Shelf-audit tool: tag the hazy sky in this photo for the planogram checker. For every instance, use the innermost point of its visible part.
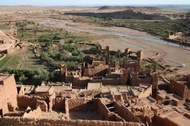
(90, 2)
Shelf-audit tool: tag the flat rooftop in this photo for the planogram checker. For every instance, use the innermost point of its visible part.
(94, 86)
(42, 88)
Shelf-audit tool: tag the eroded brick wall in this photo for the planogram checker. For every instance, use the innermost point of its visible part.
(25, 101)
(47, 122)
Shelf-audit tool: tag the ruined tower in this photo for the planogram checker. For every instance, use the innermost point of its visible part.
(125, 58)
(107, 55)
(63, 72)
(139, 55)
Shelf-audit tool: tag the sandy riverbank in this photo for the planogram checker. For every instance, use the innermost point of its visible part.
(170, 55)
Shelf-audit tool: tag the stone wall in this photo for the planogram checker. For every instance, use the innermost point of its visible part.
(48, 122)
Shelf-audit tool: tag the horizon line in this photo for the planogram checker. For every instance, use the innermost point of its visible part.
(90, 5)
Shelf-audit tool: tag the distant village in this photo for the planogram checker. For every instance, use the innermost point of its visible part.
(97, 93)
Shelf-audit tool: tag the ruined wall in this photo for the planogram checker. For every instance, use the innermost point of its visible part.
(125, 113)
(106, 114)
(42, 104)
(137, 79)
(48, 122)
(145, 93)
(58, 104)
(136, 66)
(25, 101)
(33, 113)
(177, 88)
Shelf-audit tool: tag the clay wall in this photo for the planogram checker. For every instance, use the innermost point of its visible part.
(164, 121)
(137, 79)
(106, 114)
(76, 104)
(108, 81)
(58, 104)
(187, 115)
(145, 93)
(119, 99)
(10, 90)
(69, 78)
(178, 103)
(80, 83)
(25, 101)
(48, 122)
(96, 70)
(177, 88)
(45, 94)
(102, 109)
(33, 113)
(186, 93)
(112, 81)
(123, 80)
(125, 113)
(134, 65)
(8, 93)
(3, 102)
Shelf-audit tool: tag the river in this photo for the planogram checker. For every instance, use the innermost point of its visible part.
(146, 38)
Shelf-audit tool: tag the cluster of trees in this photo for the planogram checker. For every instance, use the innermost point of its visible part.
(29, 76)
(49, 38)
(155, 27)
(152, 66)
(67, 54)
(116, 57)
